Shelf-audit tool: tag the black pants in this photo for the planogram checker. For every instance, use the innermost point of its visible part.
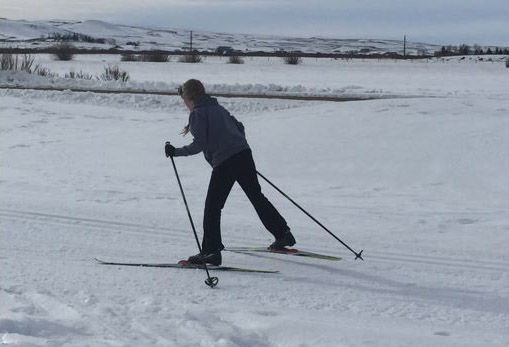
(239, 168)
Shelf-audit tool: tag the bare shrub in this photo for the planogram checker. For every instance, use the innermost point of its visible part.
(129, 57)
(45, 72)
(8, 62)
(190, 58)
(113, 73)
(64, 51)
(235, 59)
(292, 59)
(27, 63)
(78, 75)
(155, 57)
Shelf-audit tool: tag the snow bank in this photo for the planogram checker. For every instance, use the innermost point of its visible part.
(25, 80)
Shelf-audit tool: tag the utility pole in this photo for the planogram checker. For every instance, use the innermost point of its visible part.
(404, 46)
(191, 42)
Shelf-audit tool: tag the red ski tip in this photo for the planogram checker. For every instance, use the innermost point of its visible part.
(285, 249)
(183, 262)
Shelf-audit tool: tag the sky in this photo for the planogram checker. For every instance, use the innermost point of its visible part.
(485, 22)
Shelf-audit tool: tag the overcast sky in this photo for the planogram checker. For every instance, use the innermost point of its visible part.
(443, 22)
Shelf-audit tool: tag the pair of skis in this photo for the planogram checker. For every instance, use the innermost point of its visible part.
(183, 264)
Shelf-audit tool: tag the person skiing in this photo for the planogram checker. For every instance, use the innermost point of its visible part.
(221, 138)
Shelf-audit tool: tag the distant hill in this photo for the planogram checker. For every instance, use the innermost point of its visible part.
(103, 35)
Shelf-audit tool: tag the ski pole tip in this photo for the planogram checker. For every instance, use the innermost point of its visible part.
(212, 281)
(359, 255)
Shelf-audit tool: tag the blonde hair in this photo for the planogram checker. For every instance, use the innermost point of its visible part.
(185, 131)
(193, 90)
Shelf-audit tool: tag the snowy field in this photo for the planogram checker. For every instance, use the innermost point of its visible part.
(451, 76)
(419, 183)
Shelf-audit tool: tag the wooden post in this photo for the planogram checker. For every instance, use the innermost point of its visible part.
(404, 46)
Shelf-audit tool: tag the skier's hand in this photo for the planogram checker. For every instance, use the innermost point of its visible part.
(169, 150)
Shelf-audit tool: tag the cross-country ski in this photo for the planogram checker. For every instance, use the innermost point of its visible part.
(287, 251)
(183, 264)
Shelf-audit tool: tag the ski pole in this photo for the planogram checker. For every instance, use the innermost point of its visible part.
(210, 281)
(357, 255)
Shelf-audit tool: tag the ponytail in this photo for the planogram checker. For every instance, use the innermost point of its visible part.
(185, 131)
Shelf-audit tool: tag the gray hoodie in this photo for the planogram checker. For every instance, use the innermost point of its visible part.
(216, 132)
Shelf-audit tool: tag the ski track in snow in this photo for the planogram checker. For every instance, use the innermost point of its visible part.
(108, 226)
(419, 185)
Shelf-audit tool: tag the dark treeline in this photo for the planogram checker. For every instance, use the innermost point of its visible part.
(280, 54)
(450, 50)
(464, 49)
(76, 37)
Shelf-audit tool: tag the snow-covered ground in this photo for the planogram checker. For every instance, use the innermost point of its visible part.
(419, 184)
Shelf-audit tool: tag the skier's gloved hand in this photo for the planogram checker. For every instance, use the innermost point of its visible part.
(169, 150)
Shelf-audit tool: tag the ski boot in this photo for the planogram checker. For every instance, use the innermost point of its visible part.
(213, 258)
(286, 240)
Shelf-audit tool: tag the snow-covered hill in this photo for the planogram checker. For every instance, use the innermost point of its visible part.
(34, 34)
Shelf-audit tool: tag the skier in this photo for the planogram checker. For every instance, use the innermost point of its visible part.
(222, 139)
